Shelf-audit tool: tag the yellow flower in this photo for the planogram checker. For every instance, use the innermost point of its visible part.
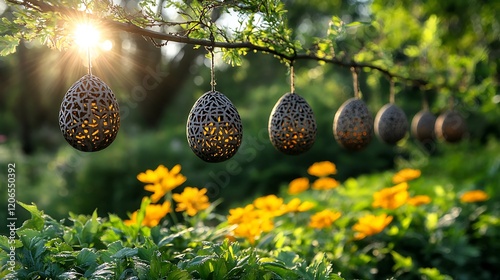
(298, 185)
(240, 215)
(324, 219)
(325, 183)
(474, 196)
(153, 177)
(253, 229)
(370, 225)
(322, 169)
(191, 200)
(295, 205)
(271, 204)
(405, 175)
(419, 200)
(154, 213)
(161, 180)
(391, 198)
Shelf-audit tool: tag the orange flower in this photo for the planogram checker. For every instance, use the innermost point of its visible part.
(240, 215)
(153, 177)
(253, 229)
(419, 200)
(391, 198)
(154, 213)
(322, 169)
(298, 185)
(295, 205)
(474, 196)
(324, 219)
(161, 180)
(271, 204)
(251, 222)
(405, 175)
(325, 183)
(370, 225)
(191, 200)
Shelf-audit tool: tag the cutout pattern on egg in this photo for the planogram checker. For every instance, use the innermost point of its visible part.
(214, 129)
(292, 126)
(353, 125)
(89, 117)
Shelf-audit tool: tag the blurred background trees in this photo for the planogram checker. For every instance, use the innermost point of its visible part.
(452, 44)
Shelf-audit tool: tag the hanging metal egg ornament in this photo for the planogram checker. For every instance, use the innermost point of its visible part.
(89, 117)
(422, 126)
(391, 124)
(214, 129)
(450, 126)
(353, 125)
(292, 126)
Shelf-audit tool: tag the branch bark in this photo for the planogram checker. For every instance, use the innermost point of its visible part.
(131, 28)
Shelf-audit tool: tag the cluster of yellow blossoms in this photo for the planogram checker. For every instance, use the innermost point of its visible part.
(389, 198)
(161, 182)
(397, 196)
(321, 170)
(255, 219)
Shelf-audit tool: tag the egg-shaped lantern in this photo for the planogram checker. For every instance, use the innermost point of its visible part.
(353, 125)
(450, 126)
(214, 130)
(89, 117)
(292, 126)
(391, 124)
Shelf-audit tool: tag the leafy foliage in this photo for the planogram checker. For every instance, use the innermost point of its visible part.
(97, 248)
(442, 238)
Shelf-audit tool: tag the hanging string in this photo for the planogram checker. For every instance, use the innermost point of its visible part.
(391, 91)
(451, 102)
(355, 83)
(292, 78)
(212, 62)
(212, 70)
(425, 102)
(89, 60)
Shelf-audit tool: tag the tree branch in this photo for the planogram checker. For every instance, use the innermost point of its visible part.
(131, 28)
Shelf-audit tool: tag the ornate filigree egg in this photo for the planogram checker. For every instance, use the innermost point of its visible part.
(353, 125)
(292, 126)
(89, 117)
(422, 126)
(450, 126)
(214, 129)
(391, 124)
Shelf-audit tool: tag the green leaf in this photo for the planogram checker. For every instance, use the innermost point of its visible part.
(412, 51)
(8, 44)
(125, 253)
(280, 270)
(86, 257)
(401, 262)
(36, 221)
(433, 274)
(90, 229)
